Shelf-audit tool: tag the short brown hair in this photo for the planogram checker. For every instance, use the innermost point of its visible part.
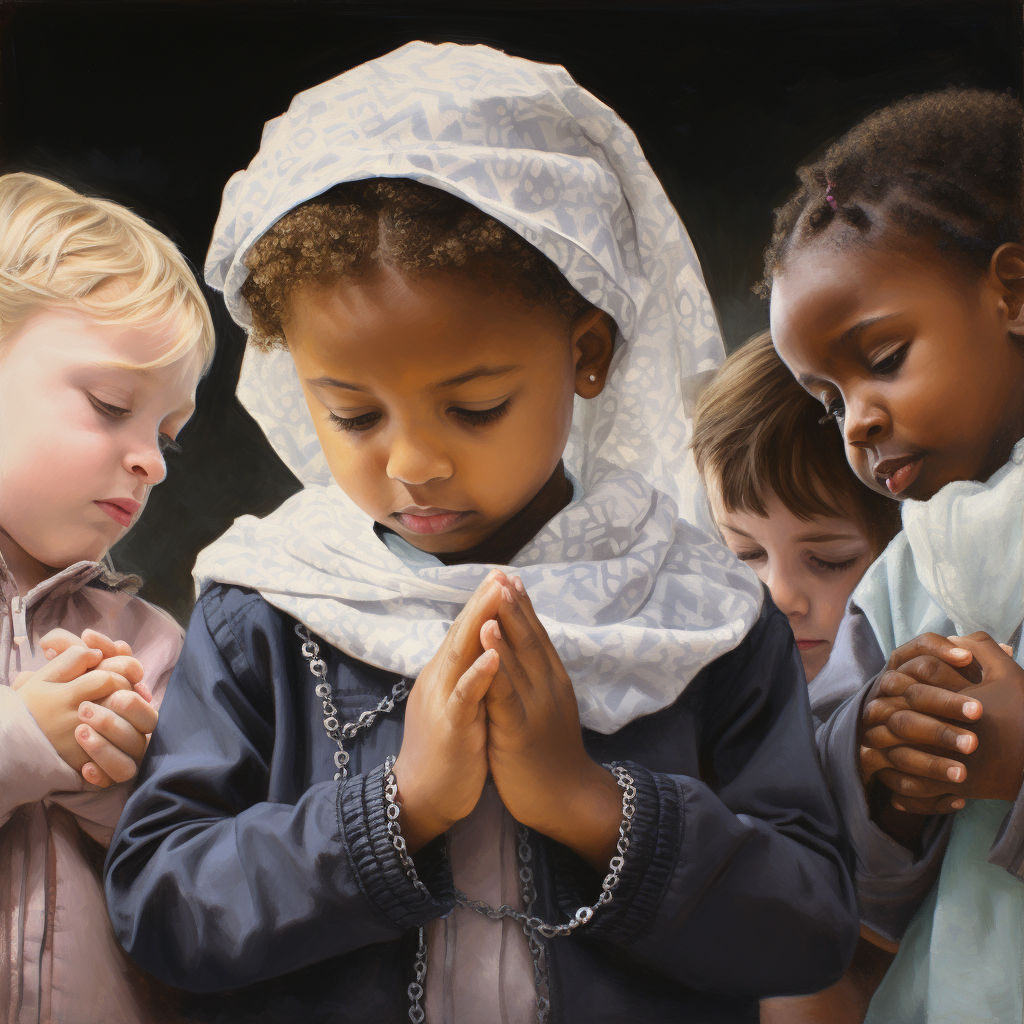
(395, 222)
(758, 433)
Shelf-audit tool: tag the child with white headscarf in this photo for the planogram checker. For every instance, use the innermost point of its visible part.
(475, 726)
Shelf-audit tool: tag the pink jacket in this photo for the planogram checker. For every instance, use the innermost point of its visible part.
(59, 960)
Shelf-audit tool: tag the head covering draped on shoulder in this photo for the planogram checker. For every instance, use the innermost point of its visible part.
(636, 601)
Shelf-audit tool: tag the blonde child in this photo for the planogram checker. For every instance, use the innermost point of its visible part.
(897, 289)
(458, 271)
(103, 335)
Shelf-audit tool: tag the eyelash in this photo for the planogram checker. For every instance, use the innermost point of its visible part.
(833, 566)
(821, 563)
(166, 443)
(473, 417)
(891, 363)
(835, 409)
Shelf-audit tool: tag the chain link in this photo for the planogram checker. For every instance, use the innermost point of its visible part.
(338, 732)
(532, 925)
(582, 916)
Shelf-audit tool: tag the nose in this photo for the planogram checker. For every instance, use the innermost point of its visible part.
(789, 596)
(414, 458)
(145, 461)
(866, 421)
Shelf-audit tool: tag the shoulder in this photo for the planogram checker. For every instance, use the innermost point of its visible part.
(124, 616)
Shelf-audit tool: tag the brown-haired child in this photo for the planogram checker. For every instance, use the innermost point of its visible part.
(788, 504)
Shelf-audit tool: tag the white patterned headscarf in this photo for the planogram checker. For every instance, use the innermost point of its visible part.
(635, 600)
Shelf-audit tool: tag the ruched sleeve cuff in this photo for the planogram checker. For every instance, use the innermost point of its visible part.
(654, 844)
(382, 876)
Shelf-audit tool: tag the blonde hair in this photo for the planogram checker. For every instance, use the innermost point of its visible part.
(62, 249)
(757, 433)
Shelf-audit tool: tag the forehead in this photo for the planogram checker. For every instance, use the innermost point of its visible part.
(391, 320)
(834, 284)
(62, 340)
(782, 526)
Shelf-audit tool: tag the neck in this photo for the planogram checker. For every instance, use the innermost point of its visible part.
(27, 571)
(503, 545)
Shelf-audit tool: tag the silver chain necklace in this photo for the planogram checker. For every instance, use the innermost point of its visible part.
(532, 926)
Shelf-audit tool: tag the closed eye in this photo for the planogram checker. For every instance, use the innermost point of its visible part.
(480, 417)
(891, 363)
(354, 423)
(115, 412)
(822, 563)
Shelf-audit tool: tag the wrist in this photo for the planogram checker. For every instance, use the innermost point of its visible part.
(587, 816)
(417, 821)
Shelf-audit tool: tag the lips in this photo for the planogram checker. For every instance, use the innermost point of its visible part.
(121, 510)
(898, 474)
(417, 519)
(807, 645)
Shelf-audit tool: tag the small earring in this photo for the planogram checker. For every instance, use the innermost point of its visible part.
(593, 379)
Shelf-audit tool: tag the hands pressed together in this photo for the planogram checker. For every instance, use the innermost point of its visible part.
(496, 699)
(91, 704)
(944, 723)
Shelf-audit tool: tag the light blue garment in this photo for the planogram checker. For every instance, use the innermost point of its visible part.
(958, 567)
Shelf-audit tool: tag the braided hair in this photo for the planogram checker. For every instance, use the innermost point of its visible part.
(944, 167)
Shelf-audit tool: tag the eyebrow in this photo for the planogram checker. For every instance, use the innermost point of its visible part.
(806, 538)
(848, 336)
(451, 382)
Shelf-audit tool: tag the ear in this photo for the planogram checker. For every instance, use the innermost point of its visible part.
(593, 338)
(1006, 272)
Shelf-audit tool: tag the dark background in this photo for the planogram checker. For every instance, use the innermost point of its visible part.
(156, 104)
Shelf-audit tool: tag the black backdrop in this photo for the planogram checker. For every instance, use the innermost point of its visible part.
(156, 104)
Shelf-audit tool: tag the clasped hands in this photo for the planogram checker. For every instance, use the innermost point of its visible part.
(496, 699)
(91, 704)
(944, 723)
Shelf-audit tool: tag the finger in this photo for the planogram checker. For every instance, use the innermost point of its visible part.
(922, 764)
(930, 700)
(124, 665)
(524, 639)
(935, 805)
(934, 672)
(908, 726)
(114, 728)
(1008, 649)
(950, 651)
(71, 664)
(504, 698)
(132, 707)
(96, 685)
(117, 648)
(57, 641)
(462, 644)
(94, 774)
(105, 756)
(905, 785)
(463, 706)
(871, 762)
(144, 692)
(985, 650)
(527, 605)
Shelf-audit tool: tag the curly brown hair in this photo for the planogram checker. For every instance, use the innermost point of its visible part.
(945, 166)
(398, 223)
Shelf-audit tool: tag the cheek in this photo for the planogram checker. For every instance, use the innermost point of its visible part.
(832, 597)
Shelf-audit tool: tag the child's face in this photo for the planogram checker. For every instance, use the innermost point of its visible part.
(442, 408)
(809, 567)
(914, 356)
(81, 438)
